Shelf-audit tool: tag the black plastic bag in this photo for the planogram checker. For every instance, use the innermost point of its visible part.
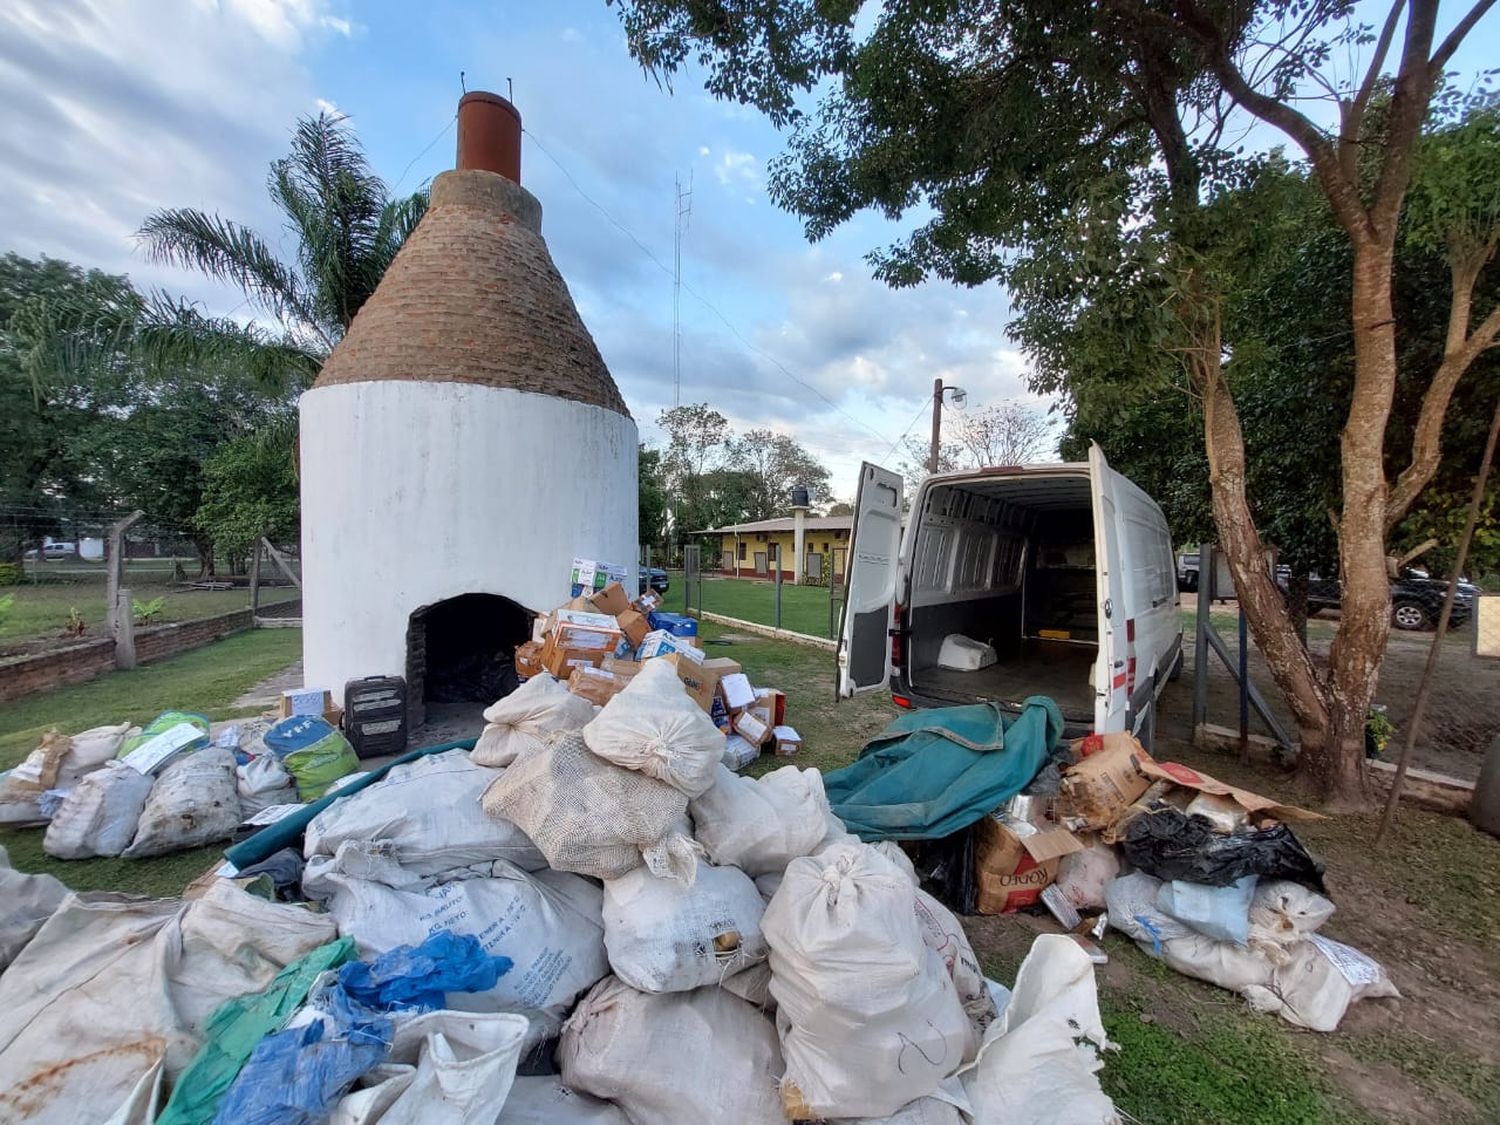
(1170, 845)
(945, 868)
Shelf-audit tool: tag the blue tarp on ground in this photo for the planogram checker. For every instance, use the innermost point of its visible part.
(934, 772)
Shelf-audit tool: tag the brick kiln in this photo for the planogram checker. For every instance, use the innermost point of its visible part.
(463, 443)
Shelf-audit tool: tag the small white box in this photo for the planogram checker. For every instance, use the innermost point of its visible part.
(788, 741)
(738, 694)
(751, 727)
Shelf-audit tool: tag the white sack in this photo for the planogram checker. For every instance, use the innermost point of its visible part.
(673, 1057)
(590, 816)
(868, 1015)
(99, 816)
(90, 750)
(195, 801)
(1130, 901)
(21, 788)
(1224, 813)
(548, 923)
(1282, 915)
(964, 654)
(654, 726)
(761, 825)
(664, 937)
(373, 1093)
(26, 902)
(769, 884)
(1040, 1059)
(464, 1063)
(543, 1100)
(429, 812)
(114, 984)
(521, 721)
(897, 855)
(752, 985)
(1082, 876)
(923, 1111)
(262, 782)
(1219, 962)
(945, 936)
(1319, 981)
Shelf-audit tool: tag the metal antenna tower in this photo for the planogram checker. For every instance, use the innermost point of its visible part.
(684, 212)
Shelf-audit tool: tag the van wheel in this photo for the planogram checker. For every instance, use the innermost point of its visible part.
(1409, 615)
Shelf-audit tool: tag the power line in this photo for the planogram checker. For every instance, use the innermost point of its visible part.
(921, 410)
(701, 299)
(446, 126)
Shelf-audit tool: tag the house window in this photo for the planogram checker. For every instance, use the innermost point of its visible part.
(743, 547)
(825, 547)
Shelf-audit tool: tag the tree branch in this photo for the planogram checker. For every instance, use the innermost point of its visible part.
(1427, 439)
(1458, 34)
(1409, 105)
(1353, 114)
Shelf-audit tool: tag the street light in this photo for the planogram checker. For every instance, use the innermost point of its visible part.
(960, 396)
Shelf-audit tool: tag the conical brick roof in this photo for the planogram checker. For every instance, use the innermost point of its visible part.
(474, 297)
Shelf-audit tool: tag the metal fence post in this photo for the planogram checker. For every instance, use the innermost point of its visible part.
(777, 616)
(1200, 634)
(116, 597)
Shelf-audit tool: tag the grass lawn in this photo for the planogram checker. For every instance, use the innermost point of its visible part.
(205, 680)
(804, 609)
(40, 611)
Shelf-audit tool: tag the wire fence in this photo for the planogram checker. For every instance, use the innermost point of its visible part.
(53, 586)
(812, 608)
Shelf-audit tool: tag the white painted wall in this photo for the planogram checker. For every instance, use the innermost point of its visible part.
(416, 492)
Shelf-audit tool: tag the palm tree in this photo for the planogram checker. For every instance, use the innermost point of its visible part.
(346, 223)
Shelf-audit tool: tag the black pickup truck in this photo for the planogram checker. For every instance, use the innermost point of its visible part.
(1416, 598)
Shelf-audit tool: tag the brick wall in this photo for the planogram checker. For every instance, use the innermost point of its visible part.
(24, 675)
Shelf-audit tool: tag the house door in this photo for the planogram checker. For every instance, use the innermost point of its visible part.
(760, 563)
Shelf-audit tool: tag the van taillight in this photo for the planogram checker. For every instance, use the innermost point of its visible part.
(896, 638)
(901, 701)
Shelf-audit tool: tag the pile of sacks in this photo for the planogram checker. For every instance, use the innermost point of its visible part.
(1205, 876)
(682, 943)
(169, 786)
(595, 644)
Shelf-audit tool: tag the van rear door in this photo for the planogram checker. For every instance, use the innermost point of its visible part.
(1112, 695)
(864, 649)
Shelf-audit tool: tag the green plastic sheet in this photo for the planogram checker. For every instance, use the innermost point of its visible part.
(934, 772)
(234, 1030)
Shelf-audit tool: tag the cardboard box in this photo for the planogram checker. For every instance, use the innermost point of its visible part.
(591, 575)
(305, 701)
(739, 752)
(678, 624)
(561, 659)
(648, 601)
(1098, 788)
(661, 643)
(750, 727)
(1014, 861)
(634, 625)
(1257, 806)
(720, 714)
(612, 600)
(334, 717)
(701, 677)
(738, 694)
(786, 741)
(620, 666)
(528, 660)
(595, 684)
(774, 701)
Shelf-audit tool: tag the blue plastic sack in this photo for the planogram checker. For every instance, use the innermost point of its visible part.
(677, 624)
(296, 1077)
(1222, 913)
(418, 976)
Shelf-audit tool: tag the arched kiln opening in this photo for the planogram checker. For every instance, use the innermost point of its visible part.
(461, 650)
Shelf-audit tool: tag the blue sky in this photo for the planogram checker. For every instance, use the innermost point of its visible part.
(111, 108)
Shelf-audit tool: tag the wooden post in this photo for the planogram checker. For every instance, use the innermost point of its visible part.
(255, 579)
(116, 597)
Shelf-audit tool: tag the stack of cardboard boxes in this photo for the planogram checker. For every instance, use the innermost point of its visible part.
(595, 643)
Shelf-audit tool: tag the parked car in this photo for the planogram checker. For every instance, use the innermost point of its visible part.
(654, 578)
(1416, 598)
(55, 551)
(1187, 573)
(1065, 571)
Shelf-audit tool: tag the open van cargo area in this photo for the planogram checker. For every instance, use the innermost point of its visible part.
(1008, 560)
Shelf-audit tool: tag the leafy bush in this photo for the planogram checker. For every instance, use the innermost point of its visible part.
(10, 574)
(147, 612)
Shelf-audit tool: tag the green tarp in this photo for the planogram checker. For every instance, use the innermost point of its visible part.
(934, 772)
(237, 1027)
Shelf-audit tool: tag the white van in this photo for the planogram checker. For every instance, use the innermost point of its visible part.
(1066, 570)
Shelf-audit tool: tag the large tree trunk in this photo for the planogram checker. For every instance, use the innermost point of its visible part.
(1261, 600)
(1364, 589)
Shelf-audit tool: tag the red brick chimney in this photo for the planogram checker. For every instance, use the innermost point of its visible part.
(489, 135)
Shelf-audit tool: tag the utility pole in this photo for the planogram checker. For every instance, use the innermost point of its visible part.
(684, 211)
(937, 426)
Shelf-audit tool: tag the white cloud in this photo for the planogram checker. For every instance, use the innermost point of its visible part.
(109, 111)
(571, 35)
(737, 167)
(326, 106)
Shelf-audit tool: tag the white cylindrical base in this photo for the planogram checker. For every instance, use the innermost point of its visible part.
(415, 492)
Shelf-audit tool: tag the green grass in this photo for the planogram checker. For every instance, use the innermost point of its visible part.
(40, 611)
(804, 609)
